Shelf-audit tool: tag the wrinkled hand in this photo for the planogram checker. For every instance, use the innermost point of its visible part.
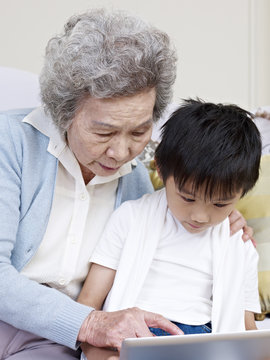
(109, 329)
(238, 222)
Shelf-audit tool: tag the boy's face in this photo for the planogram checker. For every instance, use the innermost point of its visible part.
(194, 212)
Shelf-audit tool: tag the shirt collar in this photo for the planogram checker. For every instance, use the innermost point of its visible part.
(44, 123)
(124, 169)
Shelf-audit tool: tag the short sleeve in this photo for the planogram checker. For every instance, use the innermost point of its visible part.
(252, 302)
(109, 248)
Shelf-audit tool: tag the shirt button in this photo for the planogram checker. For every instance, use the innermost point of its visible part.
(72, 239)
(62, 281)
(83, 196)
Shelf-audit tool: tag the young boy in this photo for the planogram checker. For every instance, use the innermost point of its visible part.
(171, 252)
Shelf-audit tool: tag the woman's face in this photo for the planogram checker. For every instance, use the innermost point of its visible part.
(107, 133)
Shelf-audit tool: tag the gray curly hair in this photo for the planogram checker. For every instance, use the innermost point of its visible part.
(105, 55)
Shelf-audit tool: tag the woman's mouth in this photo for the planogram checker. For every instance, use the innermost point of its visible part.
(107, 168)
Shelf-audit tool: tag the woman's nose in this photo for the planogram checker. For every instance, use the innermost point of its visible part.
(119, 150)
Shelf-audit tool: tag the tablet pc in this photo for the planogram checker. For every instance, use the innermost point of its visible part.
(248, 345)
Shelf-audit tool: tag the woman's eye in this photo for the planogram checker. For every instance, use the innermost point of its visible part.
(105, 134)
(137, 133)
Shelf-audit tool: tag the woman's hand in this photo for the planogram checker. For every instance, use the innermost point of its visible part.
(238, 222)
(109, 329)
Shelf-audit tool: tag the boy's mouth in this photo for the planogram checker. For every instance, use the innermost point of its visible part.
(195, 226)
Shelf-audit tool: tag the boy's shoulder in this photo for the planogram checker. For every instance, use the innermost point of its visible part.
(154, 199)
(221, 231)
(146, 205)
(235, 241)
(222, 227)
(138, 212)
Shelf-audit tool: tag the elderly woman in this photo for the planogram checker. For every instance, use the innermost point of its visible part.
(64, 168)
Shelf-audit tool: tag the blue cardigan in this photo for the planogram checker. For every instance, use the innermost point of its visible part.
(27, 180)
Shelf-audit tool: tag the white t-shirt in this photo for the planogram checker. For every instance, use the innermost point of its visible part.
(179, 282)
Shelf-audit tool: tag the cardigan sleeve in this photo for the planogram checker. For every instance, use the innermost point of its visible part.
(26, 304)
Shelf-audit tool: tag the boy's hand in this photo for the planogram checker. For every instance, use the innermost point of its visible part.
(109, 329)
(238, 222)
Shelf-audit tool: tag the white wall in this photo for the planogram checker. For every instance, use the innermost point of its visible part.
(260, 45)
(223, 45)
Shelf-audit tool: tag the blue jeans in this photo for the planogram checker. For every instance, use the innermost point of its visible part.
(187, 329)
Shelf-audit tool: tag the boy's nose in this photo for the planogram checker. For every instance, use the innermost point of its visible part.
(200, 217)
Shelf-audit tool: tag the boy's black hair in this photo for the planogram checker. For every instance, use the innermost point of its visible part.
(213, 145)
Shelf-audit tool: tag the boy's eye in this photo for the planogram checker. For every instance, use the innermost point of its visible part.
(187, 199)
(220, 205)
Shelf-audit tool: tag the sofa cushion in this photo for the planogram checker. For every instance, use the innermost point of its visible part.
(255, 207)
